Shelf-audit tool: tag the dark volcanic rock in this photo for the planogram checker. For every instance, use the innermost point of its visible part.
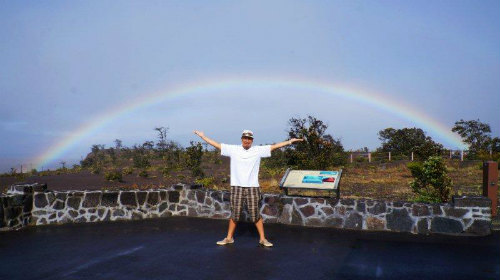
(354, 221)
(173, 196)
(399, 220)
(471, 201)
(378, 208)
(423, 226)
(141, 197)
(92, 199)
(109, 199)
(445, 225)
(420, 210)
(40, 200)
(128, 198)
(73, 202)
(153, 198)
(307, 210)
(455, 212)
(480, 227)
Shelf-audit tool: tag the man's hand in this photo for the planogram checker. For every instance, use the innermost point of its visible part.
(296, 140)
(199, 133)
(206, 139)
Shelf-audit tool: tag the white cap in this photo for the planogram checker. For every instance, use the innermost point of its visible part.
(247, 133)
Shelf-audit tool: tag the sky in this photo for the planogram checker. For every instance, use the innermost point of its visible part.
(78, 73)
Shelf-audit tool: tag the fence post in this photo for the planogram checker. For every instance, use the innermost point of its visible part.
(389, 156)
(369, 157)
(351, 157)
(450, 153)
(490, 188)
(462, 155)
(411, 156)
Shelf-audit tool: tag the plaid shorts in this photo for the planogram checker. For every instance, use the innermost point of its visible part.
(250, 196)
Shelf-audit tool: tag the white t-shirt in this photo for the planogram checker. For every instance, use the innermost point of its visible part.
(245, 163)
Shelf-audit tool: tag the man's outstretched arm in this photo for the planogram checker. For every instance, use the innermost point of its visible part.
(286, 143)
(206, 139)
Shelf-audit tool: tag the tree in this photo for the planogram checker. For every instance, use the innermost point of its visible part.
(408, 140)
(194, 156)
(475, 133)
(162, 139)
(318, 151)
(431, 182)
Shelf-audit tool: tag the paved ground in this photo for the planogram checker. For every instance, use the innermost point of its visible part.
(184, 248)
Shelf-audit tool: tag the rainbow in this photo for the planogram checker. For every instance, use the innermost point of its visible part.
(371, 98)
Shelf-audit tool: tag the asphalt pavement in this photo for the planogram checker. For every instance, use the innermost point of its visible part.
(184, 248)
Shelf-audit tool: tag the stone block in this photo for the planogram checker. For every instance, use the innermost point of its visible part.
(73, 202)
(141, 197)
(92, 199)
(420, 210)
(153, 198)
(285, 217)
(61, 196)
(471, 201)
(300, 201)
(173, 196)
(128, 198)
(118, 213)
(286, 200)
(270, 210)
(455, 212)
(51, 197)
(317, 200)
(378, 208)
(361, 206)
(327, 210)
(373, 223)
(423, 226)
(271, 199)
(2, 219)
(445, 225)
(217, 196)
(347, 201)
(335, 222)
(27, 204)
(109, 199)
(163, 195)
(397, 204)
(399, 220)
(314, 222)
(340, 210)
(307, 210)
(58, 205)
(40, 200)
(12, 213)
(296, 217)
(200, 196)
(480, 227)
(354, 221)
(436, 209)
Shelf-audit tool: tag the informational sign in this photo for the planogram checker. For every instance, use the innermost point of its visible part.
(311, 179)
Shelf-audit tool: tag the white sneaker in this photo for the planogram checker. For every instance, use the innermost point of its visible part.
(225, 241)
(265, 243)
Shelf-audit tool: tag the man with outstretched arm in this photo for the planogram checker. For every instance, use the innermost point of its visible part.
(245, 163)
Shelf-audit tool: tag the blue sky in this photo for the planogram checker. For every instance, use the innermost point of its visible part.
(65, 63)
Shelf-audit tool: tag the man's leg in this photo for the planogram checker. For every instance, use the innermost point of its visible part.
(231, 228)
(260, 228)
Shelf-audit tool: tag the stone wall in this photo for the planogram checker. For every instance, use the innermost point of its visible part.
(464, 215)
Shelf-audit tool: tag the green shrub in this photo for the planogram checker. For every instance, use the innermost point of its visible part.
(143, 174)
(194, 156)
(127, 170)
(207, 181)
(431, 182)
(113, 176)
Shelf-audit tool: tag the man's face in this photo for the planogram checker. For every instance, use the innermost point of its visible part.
(246, 142)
